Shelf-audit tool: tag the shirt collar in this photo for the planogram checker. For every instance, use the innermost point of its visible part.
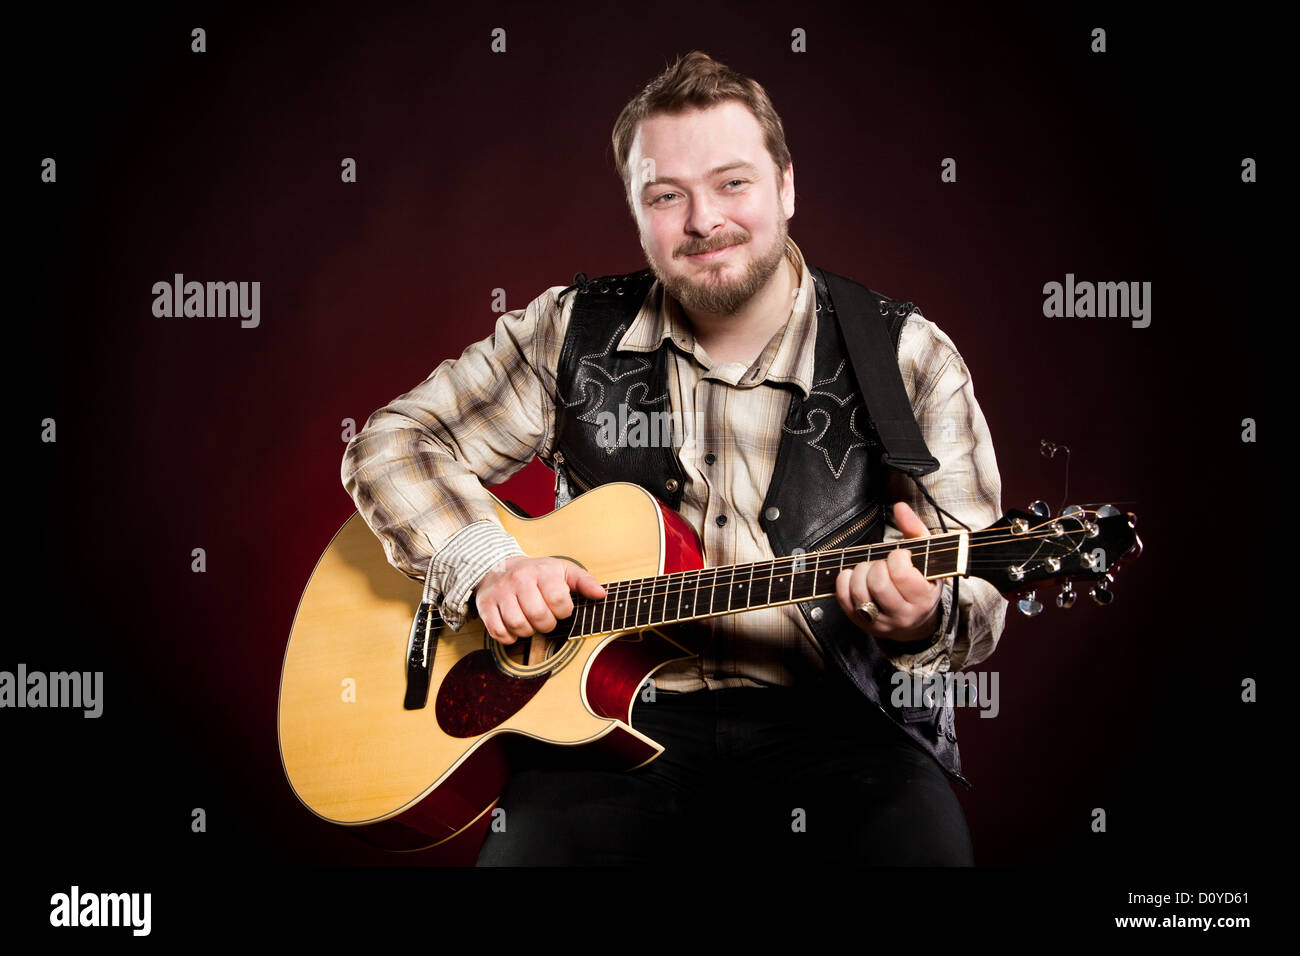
(788, 357)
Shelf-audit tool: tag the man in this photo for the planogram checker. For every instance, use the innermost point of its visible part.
(781, 732)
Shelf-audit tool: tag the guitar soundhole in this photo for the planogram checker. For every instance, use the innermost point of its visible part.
(532, 650)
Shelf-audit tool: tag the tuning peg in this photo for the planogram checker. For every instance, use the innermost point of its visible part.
(1101, 592)
(1028, 605)
(1067, 596)
(1041, 509)
(1107, 511)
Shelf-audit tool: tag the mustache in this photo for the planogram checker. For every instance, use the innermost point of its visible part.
(696, 249)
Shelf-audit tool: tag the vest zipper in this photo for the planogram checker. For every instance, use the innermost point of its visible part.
(872, 514)
(563, 475)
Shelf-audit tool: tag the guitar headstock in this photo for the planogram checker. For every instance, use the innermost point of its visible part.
(1027, 548)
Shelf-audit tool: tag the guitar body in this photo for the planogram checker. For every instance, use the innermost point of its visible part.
(410, 777)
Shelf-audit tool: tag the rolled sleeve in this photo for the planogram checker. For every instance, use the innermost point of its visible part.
(456, 570)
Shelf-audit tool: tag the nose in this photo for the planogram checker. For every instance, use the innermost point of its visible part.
(704, 217)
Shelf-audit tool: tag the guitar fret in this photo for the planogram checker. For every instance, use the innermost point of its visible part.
(725, 593)
(657, 606)
(641, 609)
(946, 559)
(699, 597)
(634, 601)
(607, 614)
(648, 602)
(718, 599)
(827, 575)
(744, 589)
(629, 603)
(803, 581)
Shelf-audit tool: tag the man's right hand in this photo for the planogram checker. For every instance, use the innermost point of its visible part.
(522, 596)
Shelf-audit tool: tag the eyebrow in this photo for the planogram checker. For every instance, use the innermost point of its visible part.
(738, 164)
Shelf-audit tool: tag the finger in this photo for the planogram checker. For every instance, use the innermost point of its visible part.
(842, 591)
(556, 594)
(492, 623)
(906, 521)
(883, 591)
(908, 579)
(534, 607)
(859, 592)
(581, 580)
(512, 616)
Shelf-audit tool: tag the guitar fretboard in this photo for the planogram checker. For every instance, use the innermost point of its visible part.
(707, 592)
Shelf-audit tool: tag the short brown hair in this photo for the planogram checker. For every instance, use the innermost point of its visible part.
(697, 80)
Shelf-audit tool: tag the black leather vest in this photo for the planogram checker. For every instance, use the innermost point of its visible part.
(826, 485)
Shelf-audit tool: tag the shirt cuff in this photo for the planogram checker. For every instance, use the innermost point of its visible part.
(919, 658)
(458, 567)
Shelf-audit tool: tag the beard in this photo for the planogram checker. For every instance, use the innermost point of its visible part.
(712, 294)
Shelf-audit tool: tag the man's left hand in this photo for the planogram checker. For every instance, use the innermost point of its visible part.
(908, 603)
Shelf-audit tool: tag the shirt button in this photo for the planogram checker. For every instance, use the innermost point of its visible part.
(771, 514)
(815, 614)
(671, 484)
(710, 458)
(722, 519)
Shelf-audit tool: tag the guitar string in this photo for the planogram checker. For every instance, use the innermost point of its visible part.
(626, 587)
(624, 590)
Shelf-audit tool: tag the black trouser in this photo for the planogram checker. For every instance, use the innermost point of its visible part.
(756, 774)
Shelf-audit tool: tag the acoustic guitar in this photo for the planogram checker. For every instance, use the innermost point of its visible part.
(394, 725)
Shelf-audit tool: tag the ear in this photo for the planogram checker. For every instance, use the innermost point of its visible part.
(787, 190)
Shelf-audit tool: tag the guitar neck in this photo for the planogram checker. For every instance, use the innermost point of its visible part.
(729, 589)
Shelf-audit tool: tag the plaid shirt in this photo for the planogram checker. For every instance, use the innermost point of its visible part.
(417, 468)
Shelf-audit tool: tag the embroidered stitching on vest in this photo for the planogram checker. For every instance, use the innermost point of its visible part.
(831, 408)
(582, 378)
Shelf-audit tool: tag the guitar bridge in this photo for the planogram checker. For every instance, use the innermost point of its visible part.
(420, 652)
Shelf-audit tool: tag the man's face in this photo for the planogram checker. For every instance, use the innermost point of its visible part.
(709, 205)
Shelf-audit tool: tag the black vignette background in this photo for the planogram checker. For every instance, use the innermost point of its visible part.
(480, 171)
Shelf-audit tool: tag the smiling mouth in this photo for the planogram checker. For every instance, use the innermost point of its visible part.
(711, 254)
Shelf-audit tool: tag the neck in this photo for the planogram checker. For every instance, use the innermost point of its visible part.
(708, 592)
(742, 336)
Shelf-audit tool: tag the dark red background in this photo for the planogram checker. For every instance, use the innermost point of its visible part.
(479, 171)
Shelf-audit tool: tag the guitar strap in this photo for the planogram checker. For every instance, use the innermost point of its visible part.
(875, 366)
